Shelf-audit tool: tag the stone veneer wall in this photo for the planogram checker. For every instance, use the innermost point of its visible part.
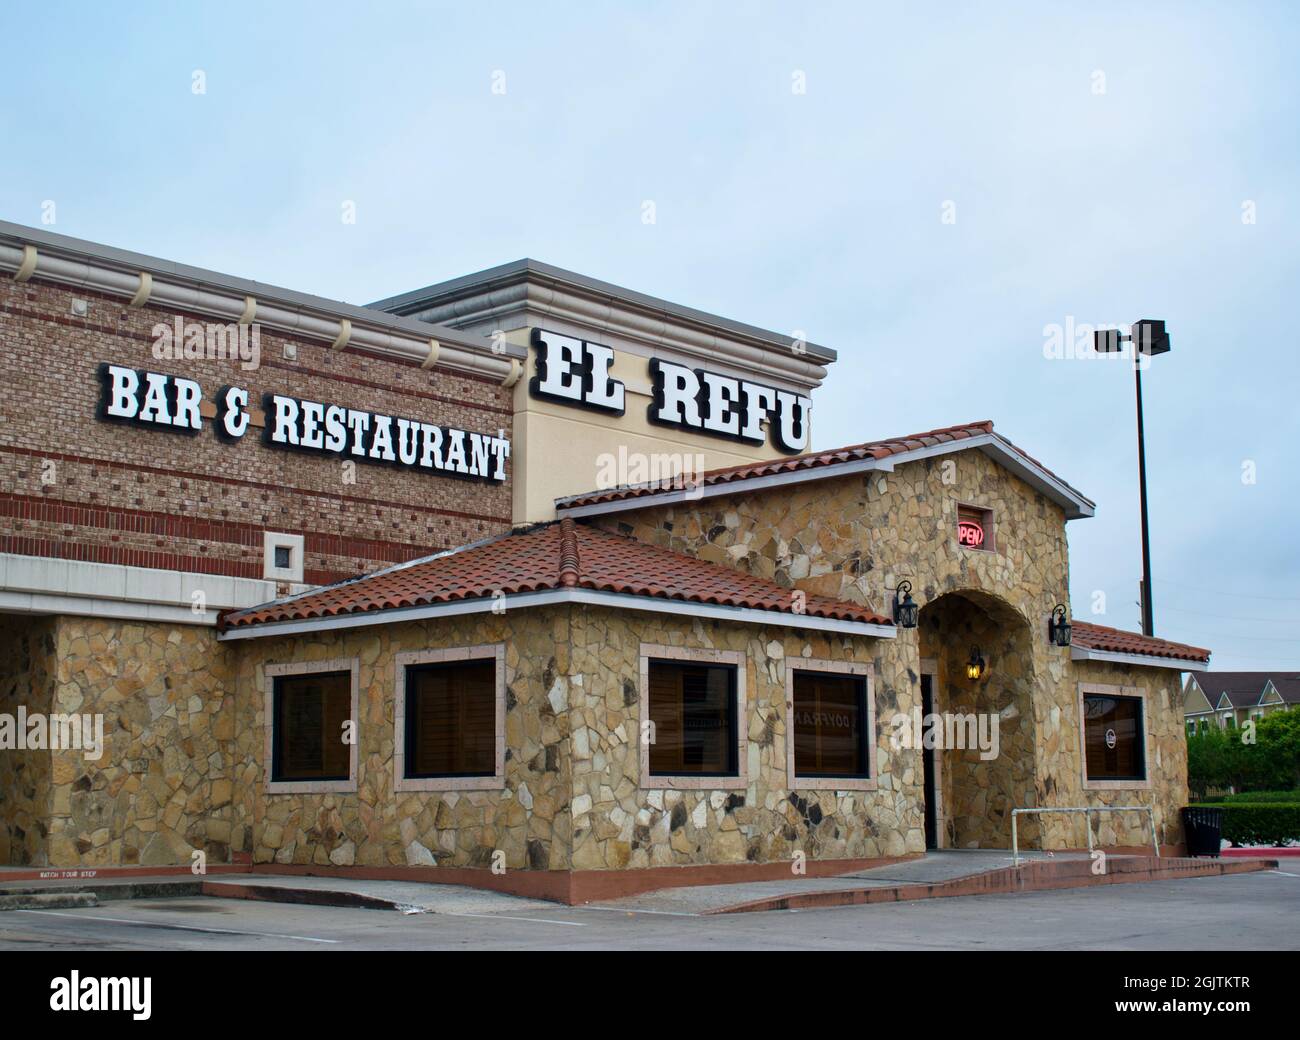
(624, 819)
(27, 656)
(573, 796)
(163, 786)
(977, 795)
(527, 819)
(857, 536)
(1059, 756)
(185, 715)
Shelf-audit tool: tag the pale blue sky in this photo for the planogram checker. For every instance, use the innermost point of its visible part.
(817, 211)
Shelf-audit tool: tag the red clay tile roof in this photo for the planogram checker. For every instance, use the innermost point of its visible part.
(1117, 641)
(558, 555)
(854, 453)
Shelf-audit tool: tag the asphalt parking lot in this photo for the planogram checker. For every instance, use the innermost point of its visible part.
(1235, 912)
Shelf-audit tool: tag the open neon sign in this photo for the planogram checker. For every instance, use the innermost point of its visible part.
(970, 533)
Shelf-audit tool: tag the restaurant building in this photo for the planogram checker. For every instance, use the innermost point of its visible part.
(523, 580)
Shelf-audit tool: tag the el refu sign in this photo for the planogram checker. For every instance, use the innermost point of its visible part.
(576, 371)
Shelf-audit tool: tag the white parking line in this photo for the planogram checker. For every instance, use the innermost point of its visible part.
(1283, 873)
(177, 927)
(620, 910)
(504, 917)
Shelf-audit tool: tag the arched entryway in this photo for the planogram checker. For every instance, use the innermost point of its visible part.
(983, 767)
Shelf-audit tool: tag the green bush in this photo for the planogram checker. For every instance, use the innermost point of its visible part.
(1218, 759)
(1280, 797)
(1259, 823)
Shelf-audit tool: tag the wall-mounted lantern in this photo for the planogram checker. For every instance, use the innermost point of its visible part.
(1058, 628)
(976, 669)
(906, 609)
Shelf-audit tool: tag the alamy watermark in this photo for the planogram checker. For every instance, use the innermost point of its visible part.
(36, 731)
(208, 341)
(1073, 341)
(946, 731)
(72, 992)
(663, 471)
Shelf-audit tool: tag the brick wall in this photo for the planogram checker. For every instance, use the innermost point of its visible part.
(75, 487)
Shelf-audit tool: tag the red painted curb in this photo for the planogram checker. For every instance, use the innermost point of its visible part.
(102, 873)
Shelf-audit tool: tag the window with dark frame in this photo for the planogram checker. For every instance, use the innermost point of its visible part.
(1113, 737)
(693, 709)
(307, 730)
(830, 723)
(451, 719)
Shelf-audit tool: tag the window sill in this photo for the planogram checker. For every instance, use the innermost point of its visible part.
(1117, 785)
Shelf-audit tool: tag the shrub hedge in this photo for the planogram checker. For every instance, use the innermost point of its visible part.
(1274, 797)
(1259, 823)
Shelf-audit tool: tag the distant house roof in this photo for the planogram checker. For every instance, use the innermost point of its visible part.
(550, 563)
(881, 455)
(1244, 689)
(1088, 636)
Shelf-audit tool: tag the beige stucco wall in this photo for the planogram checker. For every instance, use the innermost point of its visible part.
(557, 447)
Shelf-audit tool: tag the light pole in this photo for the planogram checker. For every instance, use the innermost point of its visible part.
(1150, 338)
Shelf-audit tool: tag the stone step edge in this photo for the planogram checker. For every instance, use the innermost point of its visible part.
(300, 896)
(1037, 876)
(47, 900)
(40, 897)
(109, 891)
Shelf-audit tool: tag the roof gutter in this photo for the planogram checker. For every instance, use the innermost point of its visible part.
(551, 597)
(145, 280)
(1181, 664)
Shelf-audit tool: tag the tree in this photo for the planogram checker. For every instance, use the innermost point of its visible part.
(1276, 765)
(1219, 759)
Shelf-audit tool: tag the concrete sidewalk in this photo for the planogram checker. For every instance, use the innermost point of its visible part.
(1042, 872)
(436, 898)
(404, 896)
(936, 867)
(939, 874)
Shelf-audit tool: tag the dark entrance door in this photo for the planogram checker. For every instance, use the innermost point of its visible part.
(927, 764)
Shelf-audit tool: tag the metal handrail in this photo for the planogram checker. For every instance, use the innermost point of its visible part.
(1087, 810)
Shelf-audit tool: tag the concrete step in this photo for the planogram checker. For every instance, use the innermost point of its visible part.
(46, 900)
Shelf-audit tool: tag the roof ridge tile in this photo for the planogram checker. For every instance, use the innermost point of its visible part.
(570, 562)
